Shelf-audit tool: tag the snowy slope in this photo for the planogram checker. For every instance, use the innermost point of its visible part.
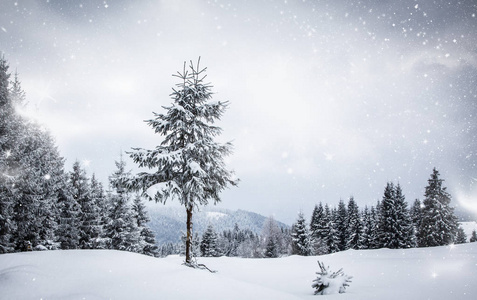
(425, 273)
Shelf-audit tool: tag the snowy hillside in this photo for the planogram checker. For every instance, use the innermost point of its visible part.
(169, 222)
(424, 273)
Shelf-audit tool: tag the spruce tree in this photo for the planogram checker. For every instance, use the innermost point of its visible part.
(67, 232)
(301, 243)
(395, 226)
(31, 173)
(386, 230)
(340, 220)
(39, 181)
(189, 163)
(331, 233)
(148, 239)
(89, 219)
(461, 238)
(121, 230)
(355, 226)
(439, 224)
(318, 230)
(368, 228)
(34, 172)
(272, 241)
(208, 244)
(473, 237)
(10, 134)
(416, 215)
(405, 236)
(103, 207)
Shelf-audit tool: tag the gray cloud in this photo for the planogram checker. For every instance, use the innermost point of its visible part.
(328, 98)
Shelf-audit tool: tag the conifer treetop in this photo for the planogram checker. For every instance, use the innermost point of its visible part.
(188, 164)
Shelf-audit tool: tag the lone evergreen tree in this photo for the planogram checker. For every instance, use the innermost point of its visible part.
(188, 164)
(438, 224)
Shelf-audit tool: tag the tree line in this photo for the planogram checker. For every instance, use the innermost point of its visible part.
(44, 207)
(388, 224)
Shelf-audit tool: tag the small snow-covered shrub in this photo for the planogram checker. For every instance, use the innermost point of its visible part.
(40, 248)
(328, 282)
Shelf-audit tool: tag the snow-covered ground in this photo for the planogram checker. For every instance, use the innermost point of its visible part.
(426, 273)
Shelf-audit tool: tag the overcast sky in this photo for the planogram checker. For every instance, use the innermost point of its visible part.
(328, 98)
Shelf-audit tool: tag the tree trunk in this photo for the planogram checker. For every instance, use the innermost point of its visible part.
(189, 236)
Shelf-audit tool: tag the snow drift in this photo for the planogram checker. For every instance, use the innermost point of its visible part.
(423, 273)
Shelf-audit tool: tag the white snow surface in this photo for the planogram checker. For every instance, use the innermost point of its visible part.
(425, 273)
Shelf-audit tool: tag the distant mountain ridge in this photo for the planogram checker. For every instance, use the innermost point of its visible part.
(168, 223)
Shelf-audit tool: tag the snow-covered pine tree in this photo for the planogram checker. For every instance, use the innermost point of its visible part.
(355, 226)
(208, 244)
(89, 218)
(365, 239)
(38, 183)
(31, 173)
(438, 224)
(68, 220)
(331, 232)
(121, 230)
(272, 241)
(103, 206)
(386, 223)
(8, 143)
(461, 237)
(316, 221)
(318, 230)
(148, 239)
(340, 220)
(229, 241)
(416, 215)
(10, 133)
(301, 243)
(188, 164)
(406, 237)
(473, 237)
(395, 226)
(31, 170)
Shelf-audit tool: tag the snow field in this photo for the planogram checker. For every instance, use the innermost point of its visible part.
(424, 273)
